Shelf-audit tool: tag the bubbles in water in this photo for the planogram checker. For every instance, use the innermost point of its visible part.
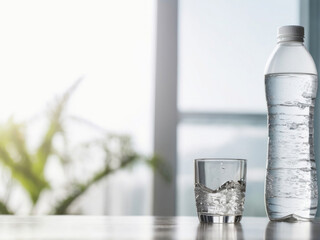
(291, 183)
(292, 126)
(228, 199)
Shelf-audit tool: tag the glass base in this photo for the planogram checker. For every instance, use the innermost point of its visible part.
(206, 218)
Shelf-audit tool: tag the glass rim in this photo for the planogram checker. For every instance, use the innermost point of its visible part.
(220, 159)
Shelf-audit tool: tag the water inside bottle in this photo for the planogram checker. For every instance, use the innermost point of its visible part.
(291, 183)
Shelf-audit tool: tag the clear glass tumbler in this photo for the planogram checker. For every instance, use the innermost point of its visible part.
(220, 185)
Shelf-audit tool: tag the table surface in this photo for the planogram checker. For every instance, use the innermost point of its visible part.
(145, 227)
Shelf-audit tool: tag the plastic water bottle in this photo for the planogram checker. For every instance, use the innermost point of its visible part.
(291, 191)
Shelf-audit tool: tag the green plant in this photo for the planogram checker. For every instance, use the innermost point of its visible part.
(27, 167)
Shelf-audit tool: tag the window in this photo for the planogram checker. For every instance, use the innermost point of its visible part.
(46, 46)
(223, 48)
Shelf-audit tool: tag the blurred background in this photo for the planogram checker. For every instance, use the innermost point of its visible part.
(105, 104)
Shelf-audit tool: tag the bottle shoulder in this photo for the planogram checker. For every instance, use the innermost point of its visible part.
(290, 59)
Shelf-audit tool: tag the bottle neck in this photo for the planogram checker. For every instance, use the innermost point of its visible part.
(290, 43)
(290, 39)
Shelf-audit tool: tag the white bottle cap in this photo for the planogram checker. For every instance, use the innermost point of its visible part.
(290, 33)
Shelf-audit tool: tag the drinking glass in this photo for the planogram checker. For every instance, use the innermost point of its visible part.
(220, 185)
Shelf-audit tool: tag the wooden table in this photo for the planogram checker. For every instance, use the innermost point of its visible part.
(102, 227)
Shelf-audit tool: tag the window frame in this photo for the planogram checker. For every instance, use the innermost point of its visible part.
(310, 16)
(167, 115)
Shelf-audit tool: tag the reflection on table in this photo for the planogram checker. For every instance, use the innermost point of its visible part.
(219, 231)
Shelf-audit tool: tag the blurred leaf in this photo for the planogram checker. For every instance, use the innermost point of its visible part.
(119, 153)
(4, 209)
(13, 154)
(27, 167)
(55, 126)
(79, 189)
(160, 166)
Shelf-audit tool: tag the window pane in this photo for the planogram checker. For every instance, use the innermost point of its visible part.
(223, 48)
(45, 47)
(228, 141)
